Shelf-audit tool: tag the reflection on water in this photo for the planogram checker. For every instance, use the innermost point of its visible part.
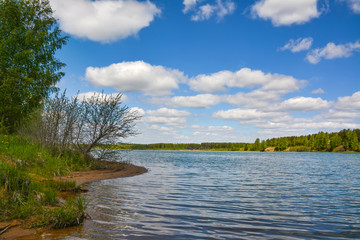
(227, 195)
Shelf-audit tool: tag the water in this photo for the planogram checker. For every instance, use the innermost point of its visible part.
(228, 195)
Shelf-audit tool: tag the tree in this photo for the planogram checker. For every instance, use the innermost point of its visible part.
(256, 145)
(335, 141)
(263, 145)
(82, 124)
(29, 38)
(281, 144)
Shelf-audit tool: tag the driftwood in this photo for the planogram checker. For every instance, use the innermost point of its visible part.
(4, 229)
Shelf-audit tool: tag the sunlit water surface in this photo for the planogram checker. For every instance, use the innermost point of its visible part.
(227, 195)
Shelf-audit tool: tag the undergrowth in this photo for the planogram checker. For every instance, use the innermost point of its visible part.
(27, 190)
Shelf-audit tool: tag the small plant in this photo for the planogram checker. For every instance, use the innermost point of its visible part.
(71, 214)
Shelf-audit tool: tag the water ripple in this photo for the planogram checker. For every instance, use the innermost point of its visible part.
(229, 195)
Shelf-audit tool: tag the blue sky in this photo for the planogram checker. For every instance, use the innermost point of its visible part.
(218, 70)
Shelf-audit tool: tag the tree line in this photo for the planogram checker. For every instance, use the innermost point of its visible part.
(345, 140)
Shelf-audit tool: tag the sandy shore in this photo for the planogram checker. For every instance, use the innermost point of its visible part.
(115, 171)
(13, 230)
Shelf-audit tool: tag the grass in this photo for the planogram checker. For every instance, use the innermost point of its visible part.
(72, 213)
(27, 191)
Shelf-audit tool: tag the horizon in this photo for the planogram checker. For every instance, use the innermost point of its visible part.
(215, 70)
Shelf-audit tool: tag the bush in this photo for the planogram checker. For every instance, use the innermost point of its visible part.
(80, 125)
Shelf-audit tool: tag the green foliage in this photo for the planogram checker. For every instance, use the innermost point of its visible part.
(25, 187)
(40, 160)
(29, 39)
(256, 146)
(13, 179)
(335, 141)
(62, 186)
(321, 141)
(281, 144)
(72, 213)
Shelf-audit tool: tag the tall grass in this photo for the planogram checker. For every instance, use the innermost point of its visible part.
(26, 187)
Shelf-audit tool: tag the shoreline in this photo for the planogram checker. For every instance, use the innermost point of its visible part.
(115, 170)
(13, 229)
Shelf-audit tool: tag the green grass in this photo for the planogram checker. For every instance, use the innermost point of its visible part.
(27, 190)
(72, 213)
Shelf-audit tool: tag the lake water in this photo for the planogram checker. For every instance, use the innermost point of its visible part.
(228, 195)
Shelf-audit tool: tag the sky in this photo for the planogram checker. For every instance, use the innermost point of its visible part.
(217, 70)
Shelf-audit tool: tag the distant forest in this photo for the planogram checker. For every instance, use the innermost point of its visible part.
(346, 140)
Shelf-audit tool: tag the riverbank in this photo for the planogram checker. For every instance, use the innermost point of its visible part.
(15, 229)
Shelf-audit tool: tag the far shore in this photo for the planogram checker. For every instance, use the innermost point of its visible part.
(14, 230)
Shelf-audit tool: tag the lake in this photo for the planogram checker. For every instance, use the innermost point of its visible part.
(227, 195)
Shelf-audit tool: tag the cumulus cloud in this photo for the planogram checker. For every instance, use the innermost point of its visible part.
(136, 77)
(244, 78)
(331, 51)
(349, 102)
(174, 121)
(189, 5)
(302, 125)
(298, 45)
(166, 116)
(197, 101)
(211, 131)
(103, 21)
(243, 114)
(304, 104)
(318, 91)
(137, 111)
(341, 115)
(166, 112)
(286, 12)
(162, 128)
(205, 11)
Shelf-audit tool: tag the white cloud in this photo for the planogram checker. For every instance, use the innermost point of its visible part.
(354, 5)
(331, 51)
(318, 91)
(212, 128)
(349, 102)
(304, 104)
(166, 112)
(298, 45)
(249, 101)
(166, 116)
(298, 126)
(88, 95)
(103, 21)
(173, 121)
(162, 128)
(244, 78)
(340, 115)
(211, 131)
(243, 114)
(136, 76)
(188, 5)
(204, 12)
(138, 111)
(282, 12)
(198, 101)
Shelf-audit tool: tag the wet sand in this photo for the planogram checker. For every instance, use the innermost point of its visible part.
(115, 171)
(13, 230)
